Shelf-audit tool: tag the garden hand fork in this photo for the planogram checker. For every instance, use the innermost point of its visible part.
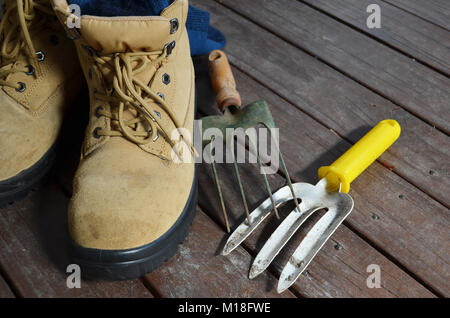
(330, 194)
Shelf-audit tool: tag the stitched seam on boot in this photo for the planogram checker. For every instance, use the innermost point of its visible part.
(46, 104)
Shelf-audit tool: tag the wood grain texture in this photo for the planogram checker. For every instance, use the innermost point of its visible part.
(413, 227)
(421, 155)
(333, 273)
(34, 250)
(409, 84)
(435, 11)
(198, 269)
(5, 291)
(408, 33)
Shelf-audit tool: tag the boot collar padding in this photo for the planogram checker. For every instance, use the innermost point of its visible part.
(108, 35)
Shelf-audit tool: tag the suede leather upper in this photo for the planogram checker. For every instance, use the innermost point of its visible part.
(127, 195)
(30, 120)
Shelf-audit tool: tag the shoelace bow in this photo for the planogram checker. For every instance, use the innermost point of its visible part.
(20, 15)
(130, 92)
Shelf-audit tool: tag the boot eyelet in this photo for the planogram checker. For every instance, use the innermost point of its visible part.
(31, 70)
(96, 133)
(169, 47)
(40, 55)
(158, 114)
(174, 25)
(161, 95)
(22, 87)
(97, 111)
(166, 79)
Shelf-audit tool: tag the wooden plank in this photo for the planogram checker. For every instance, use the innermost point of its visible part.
(197, 270)
(334, 272)
(436, 11)
(421, 155)
(408, 33)
(409, 84)
(34, 255)
(5, 291)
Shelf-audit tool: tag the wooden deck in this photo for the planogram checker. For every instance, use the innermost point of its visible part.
(328, 79)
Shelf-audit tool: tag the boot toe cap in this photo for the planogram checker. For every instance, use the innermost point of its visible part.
(123, 206)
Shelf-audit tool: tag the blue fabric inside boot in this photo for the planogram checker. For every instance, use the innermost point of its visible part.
(203, 38)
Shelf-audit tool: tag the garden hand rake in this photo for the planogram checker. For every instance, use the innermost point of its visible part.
(236, 116)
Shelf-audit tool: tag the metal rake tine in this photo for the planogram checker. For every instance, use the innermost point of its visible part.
(266, 182)
(269, 190)
(283, 166)
(241, 188)
(219, 190)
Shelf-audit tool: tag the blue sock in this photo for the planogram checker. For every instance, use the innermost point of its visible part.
(203, 38)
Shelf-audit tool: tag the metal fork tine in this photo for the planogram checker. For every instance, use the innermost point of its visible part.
(257, 216)
(309, 247)
(278, 240)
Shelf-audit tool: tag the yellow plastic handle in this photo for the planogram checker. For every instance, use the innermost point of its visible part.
(350, 165)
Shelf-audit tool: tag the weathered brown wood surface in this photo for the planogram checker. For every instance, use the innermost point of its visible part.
(435, 11)
(314, 146)
(301, 157)
(385, 71)
(199, 270)
(417, 38)
(327, 79)
(422, 155)
(5, 291)
(408, 242)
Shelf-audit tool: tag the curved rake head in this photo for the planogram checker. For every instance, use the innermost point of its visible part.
(250, 116)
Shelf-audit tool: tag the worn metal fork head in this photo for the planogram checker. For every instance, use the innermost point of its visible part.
(337, 206)
(313, 198)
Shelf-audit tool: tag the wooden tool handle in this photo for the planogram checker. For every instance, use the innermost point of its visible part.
(222, 81)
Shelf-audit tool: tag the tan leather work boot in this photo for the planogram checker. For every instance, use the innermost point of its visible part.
(39, 76)
(132, 204)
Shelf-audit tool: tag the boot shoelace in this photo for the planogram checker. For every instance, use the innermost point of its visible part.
(130, 93)
(21, 15)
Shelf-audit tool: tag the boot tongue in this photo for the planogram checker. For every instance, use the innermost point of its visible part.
(109, 35)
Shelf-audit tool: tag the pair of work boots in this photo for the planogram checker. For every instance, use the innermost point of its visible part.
(132, 200)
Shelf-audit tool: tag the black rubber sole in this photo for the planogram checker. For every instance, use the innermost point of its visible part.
(132, 263)
(18, 187)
